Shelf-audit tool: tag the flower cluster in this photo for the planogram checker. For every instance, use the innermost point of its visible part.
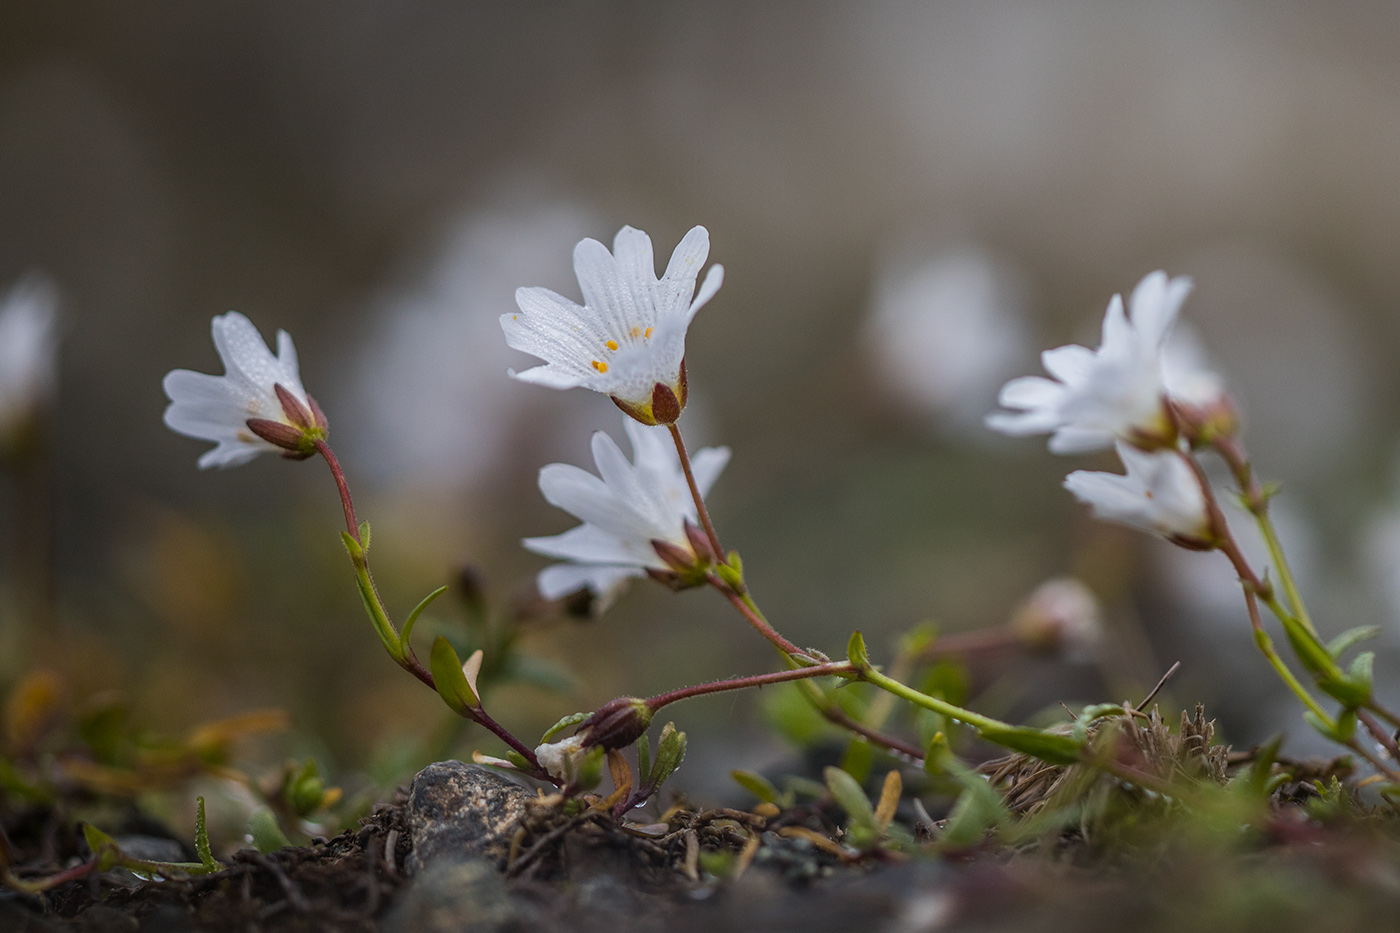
(1130, 394)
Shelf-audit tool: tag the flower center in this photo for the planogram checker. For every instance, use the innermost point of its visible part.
(636, 333)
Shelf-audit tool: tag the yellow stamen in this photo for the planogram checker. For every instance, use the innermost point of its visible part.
(635, 332)
(647, 335)
(601, 367)
(612, 344)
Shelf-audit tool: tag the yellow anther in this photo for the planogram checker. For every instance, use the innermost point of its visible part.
(647, 335)
(612, 344)
(635, 332)
(601, 367)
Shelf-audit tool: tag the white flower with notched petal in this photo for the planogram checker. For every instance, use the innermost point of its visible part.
(625, 513)
(257, 406)
(1160, 494)
(627, 339)
(28, 351)
(1115, 392)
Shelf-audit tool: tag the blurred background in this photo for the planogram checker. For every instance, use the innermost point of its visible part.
(910, 201)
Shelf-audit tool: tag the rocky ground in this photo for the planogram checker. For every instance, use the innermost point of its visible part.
(464, 849)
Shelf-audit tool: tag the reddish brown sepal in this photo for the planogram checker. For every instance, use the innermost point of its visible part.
(292, 407)
(278, 434)
(318, 415)
(617, 723)
(665, 407)
(699, 543)
(675, 556)
(668, 578)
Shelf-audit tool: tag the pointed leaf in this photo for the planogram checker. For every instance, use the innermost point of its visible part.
(643, 758)
(364, 536)
(266, 832)
(1352, 636)
(417, 611)
(451, 683)
(855, 650)
(357, 553)
(1050, 747)
(756, 784)
(1360, 670)
(889, 800)
(570, 720)
(847, 792)
(102, 845)
(201, 839)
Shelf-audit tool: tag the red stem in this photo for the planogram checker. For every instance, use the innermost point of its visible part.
(753, 680)
(764, 629)
(351, 524)
(695, 491)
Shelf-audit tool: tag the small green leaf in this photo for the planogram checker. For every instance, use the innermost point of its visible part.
(518, 760)
(103, 846)
(201, 839)
(732, 578)
(1360, 670)
(1050, 747)
(1352, 636)
(570, 720)
(417, 610)
(266, 832)
(670, 752)
(364, 536)
(451, 683)
(736, 562)
(847, 792)
(357, 553)
(756, 784)
(855, 650)
(643, 758)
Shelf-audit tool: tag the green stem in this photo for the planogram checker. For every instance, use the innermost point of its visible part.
(1285, 574)
(976, 720)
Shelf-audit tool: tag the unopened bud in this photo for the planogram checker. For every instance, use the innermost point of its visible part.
(617, 723)
(1062, 617)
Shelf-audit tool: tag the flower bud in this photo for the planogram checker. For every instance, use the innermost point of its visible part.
(617, 723)
(1060, 617)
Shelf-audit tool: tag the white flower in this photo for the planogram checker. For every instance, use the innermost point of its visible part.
(220, 408)
(1097, 396)
(1159, 493)
(28, 351)
(1062, 615)
(1187, 372)
(561, 759)
(627, 340)
(632, 505)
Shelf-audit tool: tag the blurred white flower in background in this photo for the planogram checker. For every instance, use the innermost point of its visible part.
(1062, 615)
(624, 509)
(435, 408)
(218, 408)
(28, 351)
(1114, 392)
(945, 330)
(627, 340)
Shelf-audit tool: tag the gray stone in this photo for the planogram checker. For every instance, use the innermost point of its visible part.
(458, 811)
(450, 896)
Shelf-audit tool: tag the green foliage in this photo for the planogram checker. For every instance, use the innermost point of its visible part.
(448, 678)
(266, 832)
(408, 623)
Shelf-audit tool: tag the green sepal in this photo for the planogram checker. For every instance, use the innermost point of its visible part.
(448, 678)
(266, 832)
(417, 610)
(572, 719)
(855, 650)
(201, 838)
(848, 793)
(364, 537)
(1050, 747)
(1343, 642)
(756, 784)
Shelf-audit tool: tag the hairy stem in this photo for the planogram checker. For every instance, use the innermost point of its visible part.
(700, 509)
